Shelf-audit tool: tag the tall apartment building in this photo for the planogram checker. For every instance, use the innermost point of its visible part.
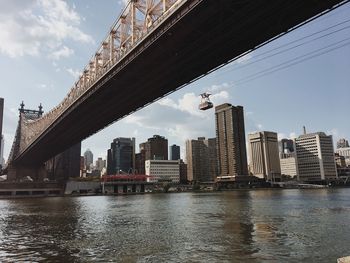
(163, 170)
(89, 158)
(288, 158)
(201, 160)
(2, 160)
(264, 155)
(315, 157)
(121, 156)
(100, 164)
(1, 136)
(140, 159)
(174, 151)
(156, 148)
(230, 140)
(212, 158)
(289, 165)
(183, 172)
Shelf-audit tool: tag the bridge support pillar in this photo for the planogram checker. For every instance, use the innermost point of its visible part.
(20, 173)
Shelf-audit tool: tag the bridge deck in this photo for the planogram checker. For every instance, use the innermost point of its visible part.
(200, 36)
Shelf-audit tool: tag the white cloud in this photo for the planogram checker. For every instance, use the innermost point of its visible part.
(218, 87)
(244, 59)
(189, 103)
(220, 97)
(139, 120)
(64, 52)
(38, 27)
(281, 135)
(74, 73)
(334, 132)
(292, 135)
(45, 87)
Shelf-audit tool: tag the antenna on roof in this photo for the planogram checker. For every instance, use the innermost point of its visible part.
(304, 130)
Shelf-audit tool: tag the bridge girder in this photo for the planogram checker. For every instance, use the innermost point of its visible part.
(155, 47)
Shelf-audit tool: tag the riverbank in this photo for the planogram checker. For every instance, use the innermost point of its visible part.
(77, 189)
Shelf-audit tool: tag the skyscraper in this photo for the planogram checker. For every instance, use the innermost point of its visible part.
(286, 146)
(121, 156)
(156, 148)
(212, 158)
(315, 157)
(201, 160)
(89, 158)
(1, 113)
(140, 159)
(174, 151)
(65, 165)
(1, 136)
(230, 140)
(2, 160)
(264, 157)
(183, 172)
(100, 164)
(289, 165)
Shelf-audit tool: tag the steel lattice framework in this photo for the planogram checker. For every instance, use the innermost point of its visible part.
(138, 19)
(166, 44)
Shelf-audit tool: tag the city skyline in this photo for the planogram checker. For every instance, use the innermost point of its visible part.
(279, 101)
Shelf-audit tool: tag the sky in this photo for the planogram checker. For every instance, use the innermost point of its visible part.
(300, 79)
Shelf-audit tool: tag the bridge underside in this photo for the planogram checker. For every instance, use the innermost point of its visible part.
(200, 36)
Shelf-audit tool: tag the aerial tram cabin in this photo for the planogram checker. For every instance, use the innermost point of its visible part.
(205, 102)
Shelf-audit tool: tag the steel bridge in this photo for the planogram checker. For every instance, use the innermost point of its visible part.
(154, 48)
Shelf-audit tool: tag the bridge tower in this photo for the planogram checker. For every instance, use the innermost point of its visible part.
(16, 173)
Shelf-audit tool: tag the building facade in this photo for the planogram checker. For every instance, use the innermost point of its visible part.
(339, 160)
(201, 160)
(289, 165)
(174, 152)
(156, 148)
(65, 165)
(230, 140)
(2, 160)
(140, 159)
(100, 164)
(346, 153)
(286, 146)
(163, 170)
(183, 172)
(121, 156)
(212, 158)
(88, 158)
(264, 155)
(315, 157)
(1, 136)
(342, 143)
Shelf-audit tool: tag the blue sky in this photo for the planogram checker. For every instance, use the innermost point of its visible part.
(44, 44)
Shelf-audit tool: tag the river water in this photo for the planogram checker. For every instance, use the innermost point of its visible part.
(238, 226)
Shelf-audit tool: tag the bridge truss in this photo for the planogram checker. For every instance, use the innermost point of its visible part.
(138, 19)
